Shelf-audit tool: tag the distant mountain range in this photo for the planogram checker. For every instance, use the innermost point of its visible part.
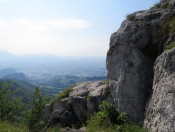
(43, 67)
(7, 71)
(52, 73)
(16, 76)
(49, 87)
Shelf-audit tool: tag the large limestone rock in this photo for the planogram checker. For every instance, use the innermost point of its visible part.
(160, 114)
(81, 103)
(130, 58)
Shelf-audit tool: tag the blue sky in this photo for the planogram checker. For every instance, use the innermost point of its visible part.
(63, 27)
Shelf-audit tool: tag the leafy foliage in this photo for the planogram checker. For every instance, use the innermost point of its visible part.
(10, 106)
(108, 119)
(110, 110)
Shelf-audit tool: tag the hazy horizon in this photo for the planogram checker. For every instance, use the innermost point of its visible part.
(63, 28)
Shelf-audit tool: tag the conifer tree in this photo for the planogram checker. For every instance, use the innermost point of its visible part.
(36, 118)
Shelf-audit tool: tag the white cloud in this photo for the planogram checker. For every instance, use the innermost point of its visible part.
(25, 24)
(68, 23)
(23, 36)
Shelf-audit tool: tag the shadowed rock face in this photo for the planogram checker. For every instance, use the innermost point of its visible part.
(129, 69)
(160, 114)
(130, 58)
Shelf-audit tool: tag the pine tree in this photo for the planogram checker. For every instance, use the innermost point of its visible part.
(36, 118)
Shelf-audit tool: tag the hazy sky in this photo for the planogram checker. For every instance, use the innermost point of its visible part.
(63, 27)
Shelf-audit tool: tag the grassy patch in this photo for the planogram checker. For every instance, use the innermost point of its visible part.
(54, 129)
(7, 127)
(62, 95)
(169, 46)
(117, 128)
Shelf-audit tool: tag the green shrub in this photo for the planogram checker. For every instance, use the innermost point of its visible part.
(169, 46)
(108, 119)
(131, 17)
(110, 110)
(99, 119)
(123, 118)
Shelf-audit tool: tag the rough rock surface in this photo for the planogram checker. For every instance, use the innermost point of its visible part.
(130, 58)
(167, 1)
(80, 104)
(160, 114)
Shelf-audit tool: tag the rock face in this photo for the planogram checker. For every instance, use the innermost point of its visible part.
(160, 114)
(167, 1)
(80, 104)
(130, 58)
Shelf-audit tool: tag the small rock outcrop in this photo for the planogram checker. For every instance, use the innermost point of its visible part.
(160, 114)
(80, 104)
(133, 50)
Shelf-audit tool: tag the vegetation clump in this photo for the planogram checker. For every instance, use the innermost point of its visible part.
(169, 46)
(64, 94)
(106, 82)
(109, 119)
(168, 27)
(131, 17)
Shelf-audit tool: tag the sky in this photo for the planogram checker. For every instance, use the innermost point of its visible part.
(63, 27)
